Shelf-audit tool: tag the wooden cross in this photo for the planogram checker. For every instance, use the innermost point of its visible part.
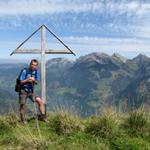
(43, 51)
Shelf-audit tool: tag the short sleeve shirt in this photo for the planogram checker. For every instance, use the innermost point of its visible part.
(26, 73)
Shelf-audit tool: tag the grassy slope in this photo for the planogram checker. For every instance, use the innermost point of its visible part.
(108, 131)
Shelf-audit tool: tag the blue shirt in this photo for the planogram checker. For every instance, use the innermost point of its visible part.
(26, 73)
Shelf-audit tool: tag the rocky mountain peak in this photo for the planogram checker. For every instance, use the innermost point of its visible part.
(58, 62)
(117, 56)
(140, 59)
(93, 57)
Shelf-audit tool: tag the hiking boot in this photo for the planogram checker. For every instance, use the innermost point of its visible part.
(42, 117)
(24, 122)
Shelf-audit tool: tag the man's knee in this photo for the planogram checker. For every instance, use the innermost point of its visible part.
(39, 101)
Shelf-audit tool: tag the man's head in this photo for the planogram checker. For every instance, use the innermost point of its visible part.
(34, 64)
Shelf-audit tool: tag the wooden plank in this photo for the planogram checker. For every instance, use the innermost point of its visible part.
(37, 51)
(43, 64)
(26, 40)
(58, 52)
(27, 51)
(59, 40)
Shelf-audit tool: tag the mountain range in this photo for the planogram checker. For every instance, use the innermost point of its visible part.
(88, 84)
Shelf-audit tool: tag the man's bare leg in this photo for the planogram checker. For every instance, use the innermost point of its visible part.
(41, 105)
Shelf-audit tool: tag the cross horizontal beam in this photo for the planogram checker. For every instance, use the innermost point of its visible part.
(38, 51)
(58, 52)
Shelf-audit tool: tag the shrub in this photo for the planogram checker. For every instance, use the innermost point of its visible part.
(7, 136)
(66, 123)
(136, 124)
(102, 126)
(12, 120)
(9, 139)
(5, 128)
(35, 144)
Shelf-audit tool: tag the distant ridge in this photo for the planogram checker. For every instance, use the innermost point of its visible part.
(12, 61)
(88, 83)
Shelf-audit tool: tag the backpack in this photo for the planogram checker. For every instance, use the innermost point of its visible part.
(18, 85)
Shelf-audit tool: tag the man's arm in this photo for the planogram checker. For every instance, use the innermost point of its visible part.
(28, 80)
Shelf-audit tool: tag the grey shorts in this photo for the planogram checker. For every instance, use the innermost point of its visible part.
(23, 96)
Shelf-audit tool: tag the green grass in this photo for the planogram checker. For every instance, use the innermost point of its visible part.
(66, 131)
(128, 143)
(137, 123)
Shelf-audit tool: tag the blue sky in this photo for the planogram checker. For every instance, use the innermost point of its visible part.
(120, 26)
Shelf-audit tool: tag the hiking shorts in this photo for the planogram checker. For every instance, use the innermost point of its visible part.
(23, 96)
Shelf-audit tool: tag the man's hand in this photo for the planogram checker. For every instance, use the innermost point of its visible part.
(31, 79)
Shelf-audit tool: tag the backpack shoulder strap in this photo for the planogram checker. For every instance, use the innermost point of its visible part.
(36, 74)
(26, 69)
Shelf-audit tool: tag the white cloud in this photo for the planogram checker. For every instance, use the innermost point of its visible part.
(144, 9)
(125, 46)
(83, 45)
(122, 18)
(40, 7)
(142, 31)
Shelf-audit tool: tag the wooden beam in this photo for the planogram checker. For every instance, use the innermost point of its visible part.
(27, 51)
(43, 64)
(71, 52)
(58, 52)
(38, 51)
(26, 40)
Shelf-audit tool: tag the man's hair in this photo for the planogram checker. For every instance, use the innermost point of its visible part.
(34, 60)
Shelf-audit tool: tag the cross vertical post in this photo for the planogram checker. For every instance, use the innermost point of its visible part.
(43, 65)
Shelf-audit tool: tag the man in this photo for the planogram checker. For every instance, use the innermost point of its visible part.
(28, 78)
